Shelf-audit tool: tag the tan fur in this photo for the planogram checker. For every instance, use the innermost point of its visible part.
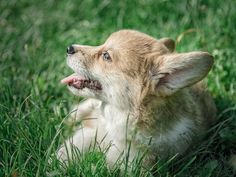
(150, 96)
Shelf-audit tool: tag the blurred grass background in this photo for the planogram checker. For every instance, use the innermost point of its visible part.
(33, 40)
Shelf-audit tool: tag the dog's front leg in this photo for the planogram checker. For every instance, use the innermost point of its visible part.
(80, 142)
(85, 109)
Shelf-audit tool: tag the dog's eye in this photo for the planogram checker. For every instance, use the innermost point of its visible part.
(106, 56)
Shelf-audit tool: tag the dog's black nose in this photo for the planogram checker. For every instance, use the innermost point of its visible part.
(70, 50)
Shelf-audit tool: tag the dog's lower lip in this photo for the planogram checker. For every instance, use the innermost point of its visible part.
(80, 82)
(94, 85)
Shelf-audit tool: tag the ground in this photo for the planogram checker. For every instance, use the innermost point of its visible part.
(34, 105)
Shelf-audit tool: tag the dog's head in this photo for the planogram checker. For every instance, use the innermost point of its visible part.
(131, 65)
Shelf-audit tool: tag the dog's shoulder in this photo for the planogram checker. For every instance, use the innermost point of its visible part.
(205, 101)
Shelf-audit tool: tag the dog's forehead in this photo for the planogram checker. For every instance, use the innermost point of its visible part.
(128, 38)
(134, 43)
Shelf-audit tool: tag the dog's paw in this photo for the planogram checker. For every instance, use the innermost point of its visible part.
(62, 155)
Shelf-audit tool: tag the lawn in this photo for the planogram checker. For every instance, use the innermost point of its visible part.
(34, 105)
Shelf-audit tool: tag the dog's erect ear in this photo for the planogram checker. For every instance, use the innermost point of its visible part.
(169, 43)
(171, 72)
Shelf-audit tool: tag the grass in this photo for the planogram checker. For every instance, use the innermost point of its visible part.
(33, 105)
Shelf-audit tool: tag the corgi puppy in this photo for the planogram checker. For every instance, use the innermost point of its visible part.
(138, 91)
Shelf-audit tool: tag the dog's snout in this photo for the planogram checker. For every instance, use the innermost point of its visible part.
(70, 50)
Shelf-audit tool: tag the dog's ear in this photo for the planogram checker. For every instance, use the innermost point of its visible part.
(172, 72)
(169, 43)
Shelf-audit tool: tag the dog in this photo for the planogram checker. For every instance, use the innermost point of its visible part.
(138, 91)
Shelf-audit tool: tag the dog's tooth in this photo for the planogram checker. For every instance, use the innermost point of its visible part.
(82, 83)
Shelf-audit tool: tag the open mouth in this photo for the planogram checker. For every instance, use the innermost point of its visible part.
(80, 82)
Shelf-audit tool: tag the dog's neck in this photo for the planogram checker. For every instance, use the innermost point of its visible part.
(153, 110)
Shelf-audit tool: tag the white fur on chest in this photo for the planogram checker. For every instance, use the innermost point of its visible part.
(115, 122)
(117, 125)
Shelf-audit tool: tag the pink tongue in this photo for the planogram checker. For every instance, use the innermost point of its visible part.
(72, 78)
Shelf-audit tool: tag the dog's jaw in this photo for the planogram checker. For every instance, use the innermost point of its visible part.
(81, 83)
